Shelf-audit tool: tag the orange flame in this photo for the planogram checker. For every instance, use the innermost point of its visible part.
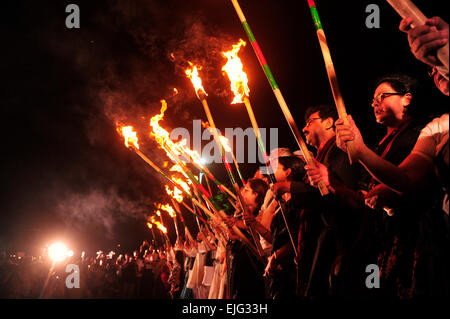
(168, 209)
(176, 194)
(175, 91)
(225, 143)
(195, 79)
(149, 225)
(182, 183)
(234, 69)
(162, 137)
(162, 228)
(130, 136)
(158, 224)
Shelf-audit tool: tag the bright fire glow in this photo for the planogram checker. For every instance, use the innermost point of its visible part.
(58, 252)
(130, 136)
(234, 69)
(168, 209)
(171, 148)
(225, 143)
(176, 194)
(195, 79)
(158, 224)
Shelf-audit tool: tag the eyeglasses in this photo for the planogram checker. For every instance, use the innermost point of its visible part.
(380, 98)
(309, 121)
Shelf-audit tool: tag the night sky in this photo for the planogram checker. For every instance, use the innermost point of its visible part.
(66, 173)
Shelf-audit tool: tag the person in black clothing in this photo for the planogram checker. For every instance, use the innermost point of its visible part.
(245, 270)
(281, 270)
(401, 233)
(329, 226)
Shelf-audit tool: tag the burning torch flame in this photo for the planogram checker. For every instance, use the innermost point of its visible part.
(162, 228)
(149, 225)
(168, 209)
(225, 143)
(176, 194)
(237, 76)
(162, 137)
(195, 79)
(158, 224)
(130, 136)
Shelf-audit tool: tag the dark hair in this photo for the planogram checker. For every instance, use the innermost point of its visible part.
(325, 111)
(296, 165)
(260, 187)
(179, 257)
(402, 84)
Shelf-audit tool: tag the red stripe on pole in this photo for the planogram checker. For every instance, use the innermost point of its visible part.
(227, 165)
(311, 3)
(259, 53)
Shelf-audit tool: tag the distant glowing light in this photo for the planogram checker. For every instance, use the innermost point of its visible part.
(58, 252)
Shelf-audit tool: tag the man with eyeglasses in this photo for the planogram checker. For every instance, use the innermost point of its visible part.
(329, 226)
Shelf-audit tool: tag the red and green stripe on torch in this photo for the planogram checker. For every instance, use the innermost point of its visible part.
(338, 100)
(276, 90)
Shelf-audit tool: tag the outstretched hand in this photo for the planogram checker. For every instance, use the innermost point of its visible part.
(425, 40)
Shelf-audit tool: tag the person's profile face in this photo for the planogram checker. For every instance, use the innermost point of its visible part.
(312, 129)
(388, 104)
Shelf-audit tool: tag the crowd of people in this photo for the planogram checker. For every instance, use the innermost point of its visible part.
(143, 274)
(306, 231)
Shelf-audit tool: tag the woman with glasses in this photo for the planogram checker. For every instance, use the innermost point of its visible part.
(395, 102)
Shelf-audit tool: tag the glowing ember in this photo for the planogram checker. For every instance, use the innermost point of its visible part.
(149, 225)
(175, 91)
(195, 79)
(58, 252)
(234, 69)
(130, 136)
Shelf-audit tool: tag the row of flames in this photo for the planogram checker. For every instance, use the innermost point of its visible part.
(177, 150)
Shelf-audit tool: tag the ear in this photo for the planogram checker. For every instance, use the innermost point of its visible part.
(329, 122)
(288, 172)
(406, 99)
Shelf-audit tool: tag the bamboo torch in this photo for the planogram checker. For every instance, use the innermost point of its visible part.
(406, 8)
(131, 141)
(338, 100)
(201, 94)
(276, 90)
(193, 75)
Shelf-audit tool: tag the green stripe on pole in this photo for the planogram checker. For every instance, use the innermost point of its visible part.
(316, 18)
(270, 77)
(248, 31)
